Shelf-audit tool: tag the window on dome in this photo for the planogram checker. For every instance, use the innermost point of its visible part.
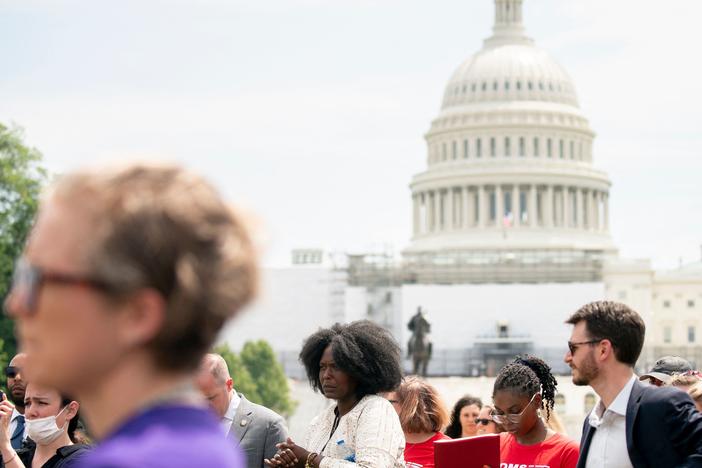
(536, 146)
(478, 148)
(465, 149)
(443, 151)
(541, 86)
(550, 86)
(494, 86)
(493, 148)
(472, 87)
(508, 149)
(572, 150)
(519, 85)
(464, 89)
(484, 86)
(506, 85)
(549, 148)
(580, 150)
(454, 150)
(560, 149)
(522, 147)
(523, 210)
(530, 85)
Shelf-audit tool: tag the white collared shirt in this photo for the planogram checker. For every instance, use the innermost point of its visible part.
(608, 445)
(228, 418)
(13, 423)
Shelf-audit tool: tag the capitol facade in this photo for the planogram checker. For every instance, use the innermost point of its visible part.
(510, 193)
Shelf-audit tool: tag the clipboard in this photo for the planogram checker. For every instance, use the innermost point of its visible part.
(472, 452)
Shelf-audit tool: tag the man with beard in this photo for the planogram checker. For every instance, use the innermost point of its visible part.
(16, 387)
(633, 424)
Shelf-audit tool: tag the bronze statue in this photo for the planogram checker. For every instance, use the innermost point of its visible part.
(419, 346)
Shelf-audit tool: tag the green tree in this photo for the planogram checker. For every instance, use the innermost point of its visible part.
(243, 382)
(267, 373)
(21, 180)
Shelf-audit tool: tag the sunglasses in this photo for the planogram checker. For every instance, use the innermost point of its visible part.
(573, 346)
(483, 421)
(28, 280)
(512, 419)
(12, 371)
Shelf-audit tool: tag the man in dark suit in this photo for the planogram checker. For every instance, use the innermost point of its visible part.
(633, 424)
(255, 428)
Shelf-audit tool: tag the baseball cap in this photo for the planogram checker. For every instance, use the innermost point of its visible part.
(666, 367)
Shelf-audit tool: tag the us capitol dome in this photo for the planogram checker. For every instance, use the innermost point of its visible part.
(510, 193)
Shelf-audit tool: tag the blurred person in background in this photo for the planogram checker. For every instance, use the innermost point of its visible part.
(350, 364)
(128, 275)
(51, 421)
(16, 387)
(465, 412)
(485, 423)
(663, 371)
(685, 380)
(255, 428)
(422, 416)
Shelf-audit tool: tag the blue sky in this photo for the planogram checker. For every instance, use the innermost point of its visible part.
(311, 113)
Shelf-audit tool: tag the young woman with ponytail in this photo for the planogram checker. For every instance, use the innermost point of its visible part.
(522, 390)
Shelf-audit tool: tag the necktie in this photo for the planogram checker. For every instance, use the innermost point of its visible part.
(18, 435)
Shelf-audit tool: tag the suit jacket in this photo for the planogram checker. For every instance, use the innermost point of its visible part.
(663, 429)
(257, 429)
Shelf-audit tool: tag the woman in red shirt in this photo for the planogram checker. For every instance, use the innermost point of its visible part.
(422, 416)
(522, 389)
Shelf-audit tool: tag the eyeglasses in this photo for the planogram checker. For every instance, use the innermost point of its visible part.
(28, 280)
(12, 371)
(573, 346)
(483, 421)
(512, 419)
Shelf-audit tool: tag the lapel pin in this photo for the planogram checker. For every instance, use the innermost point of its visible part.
(244, 422)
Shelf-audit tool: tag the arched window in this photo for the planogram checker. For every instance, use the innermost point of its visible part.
(508, 149)
(522, 147)
(519, 85)
(465, 149)
(478, 148)
(443, 151)
(572, 150)
(560, 149)
(493, 147)
(484, 85)
(530, 85)
(494, 86)
(549, 148)
(454, 151)
(536, 146)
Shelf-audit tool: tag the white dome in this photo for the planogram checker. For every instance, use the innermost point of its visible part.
(509, 72)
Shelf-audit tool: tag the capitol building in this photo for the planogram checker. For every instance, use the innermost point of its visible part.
(509, 233)
(510, 193)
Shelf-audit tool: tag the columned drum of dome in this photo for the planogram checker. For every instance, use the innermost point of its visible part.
(510, 193)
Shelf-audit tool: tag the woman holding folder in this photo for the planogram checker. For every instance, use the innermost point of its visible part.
(522, 389)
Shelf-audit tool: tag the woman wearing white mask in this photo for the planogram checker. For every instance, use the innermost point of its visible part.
(50, 421)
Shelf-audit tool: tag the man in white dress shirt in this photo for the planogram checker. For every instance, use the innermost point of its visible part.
(633, 425)
(255, 428)
(16, 387)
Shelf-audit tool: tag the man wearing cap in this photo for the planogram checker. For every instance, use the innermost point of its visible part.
(255, 428)
(633, 425)
(665, 369)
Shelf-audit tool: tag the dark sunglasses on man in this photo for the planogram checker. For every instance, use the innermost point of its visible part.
(12, 371)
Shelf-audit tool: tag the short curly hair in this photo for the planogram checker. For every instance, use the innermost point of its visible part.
(454, 429)
(528, 375)
(364, 350)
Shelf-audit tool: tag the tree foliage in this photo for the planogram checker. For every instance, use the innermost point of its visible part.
(259, 376)
(21, 180)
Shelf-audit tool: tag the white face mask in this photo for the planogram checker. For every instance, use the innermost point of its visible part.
(43, 431)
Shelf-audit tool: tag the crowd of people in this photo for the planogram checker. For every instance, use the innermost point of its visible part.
(130, 273)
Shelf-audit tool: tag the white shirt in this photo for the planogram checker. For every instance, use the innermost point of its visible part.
(369, 435)
(228, 418)
(13, 424)
(608, 445)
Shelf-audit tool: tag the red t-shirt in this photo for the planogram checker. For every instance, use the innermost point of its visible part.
(423, 453)
(558, 451)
